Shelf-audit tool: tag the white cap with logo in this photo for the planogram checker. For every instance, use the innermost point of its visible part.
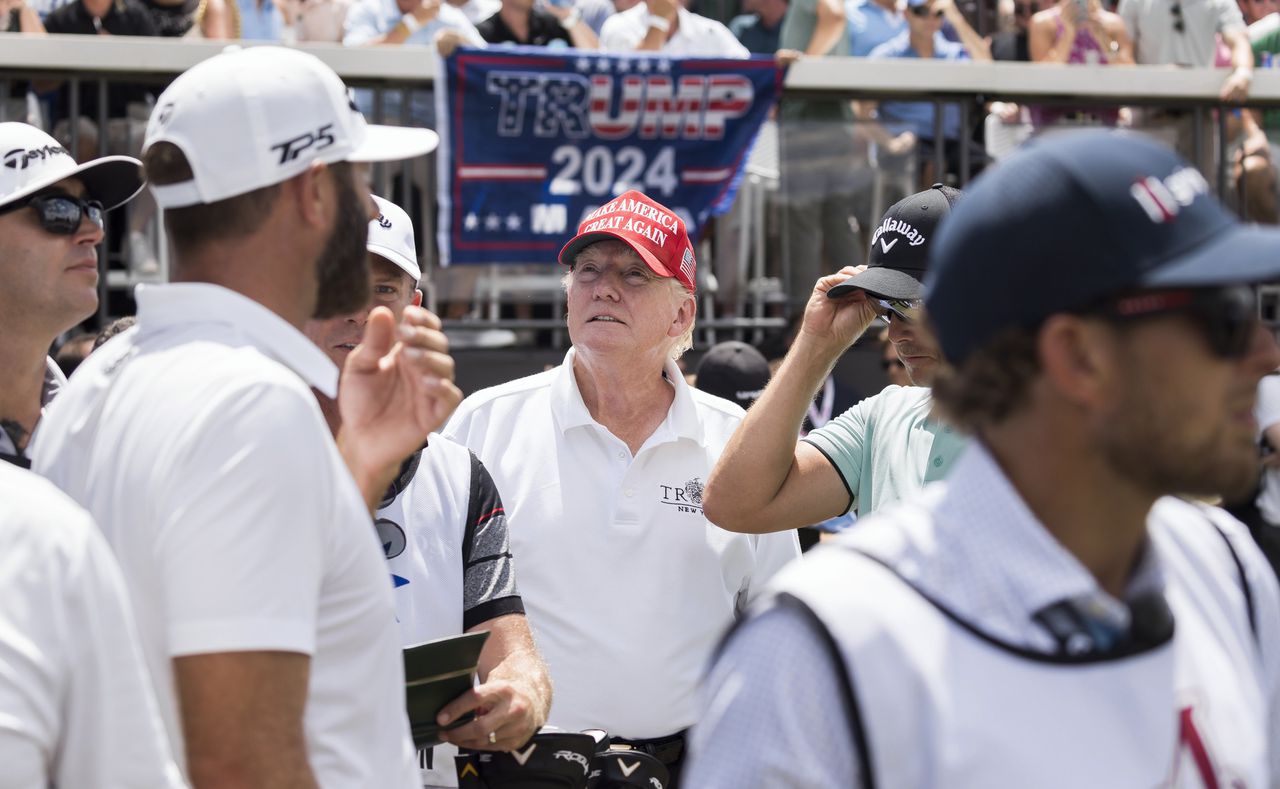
(391, 237)
(31, 160)
(250, 118)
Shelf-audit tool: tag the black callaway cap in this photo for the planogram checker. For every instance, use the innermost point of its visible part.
(900, 246)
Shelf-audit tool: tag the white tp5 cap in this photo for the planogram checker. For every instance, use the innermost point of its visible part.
(254, 117)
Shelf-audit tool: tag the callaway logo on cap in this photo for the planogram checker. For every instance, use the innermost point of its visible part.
(31, 160)
(900, 246)
(391, 237)
(251, 118)
(654, 231)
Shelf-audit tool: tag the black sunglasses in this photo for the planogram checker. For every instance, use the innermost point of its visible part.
(58, 213)
(1176, 10)
(1227, 317)
(924, 10)
(908, 310)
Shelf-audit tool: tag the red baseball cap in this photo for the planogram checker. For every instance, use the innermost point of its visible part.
(654, 231)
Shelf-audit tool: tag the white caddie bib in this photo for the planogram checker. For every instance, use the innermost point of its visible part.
(940, 705)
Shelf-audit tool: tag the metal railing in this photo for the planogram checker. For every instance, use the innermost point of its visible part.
(395, 75)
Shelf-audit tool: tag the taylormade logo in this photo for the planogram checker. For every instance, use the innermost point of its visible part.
(21, 158)
(1163, 199)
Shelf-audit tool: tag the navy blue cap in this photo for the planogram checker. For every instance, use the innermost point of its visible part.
(1074, 218)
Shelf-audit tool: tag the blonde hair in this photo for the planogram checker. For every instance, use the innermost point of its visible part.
(679, 292)
(685, 341)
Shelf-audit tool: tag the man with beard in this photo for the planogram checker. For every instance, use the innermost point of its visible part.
(1049, 616)
(243, 530)
(881, 450)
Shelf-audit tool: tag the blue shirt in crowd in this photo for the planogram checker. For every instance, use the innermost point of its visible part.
(917, 116)
(870, 25)
(260, 22)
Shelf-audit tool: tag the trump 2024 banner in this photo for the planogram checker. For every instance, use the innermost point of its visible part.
(533, 140)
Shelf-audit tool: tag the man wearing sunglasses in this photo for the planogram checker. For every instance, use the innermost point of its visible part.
(880, 450)
(1051, 615)
(50, 226)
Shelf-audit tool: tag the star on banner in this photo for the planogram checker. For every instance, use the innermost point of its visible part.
(513, 222)
(471, 222)
(664, 65)
(643, 65)
(624, 66)
(604, 64)
(583, 64)
(492, 222)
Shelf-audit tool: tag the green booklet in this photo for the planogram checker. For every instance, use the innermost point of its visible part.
(435, 673)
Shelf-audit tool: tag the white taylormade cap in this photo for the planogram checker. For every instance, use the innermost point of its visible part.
(254, 117)
(391, 237)
(31, 160)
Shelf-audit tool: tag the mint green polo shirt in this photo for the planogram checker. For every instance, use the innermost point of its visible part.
(888, 447)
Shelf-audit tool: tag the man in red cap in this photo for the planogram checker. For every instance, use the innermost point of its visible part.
(601, 462)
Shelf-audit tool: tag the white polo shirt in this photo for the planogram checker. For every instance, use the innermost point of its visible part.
(197, 444)
(627, 586)
(696, 36)
(76, 705)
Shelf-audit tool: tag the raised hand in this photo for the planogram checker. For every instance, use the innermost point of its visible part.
(836, 323)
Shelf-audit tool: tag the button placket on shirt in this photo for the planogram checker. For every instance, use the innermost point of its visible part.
(627, 509)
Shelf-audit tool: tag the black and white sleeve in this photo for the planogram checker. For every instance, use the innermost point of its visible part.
(489, 575)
